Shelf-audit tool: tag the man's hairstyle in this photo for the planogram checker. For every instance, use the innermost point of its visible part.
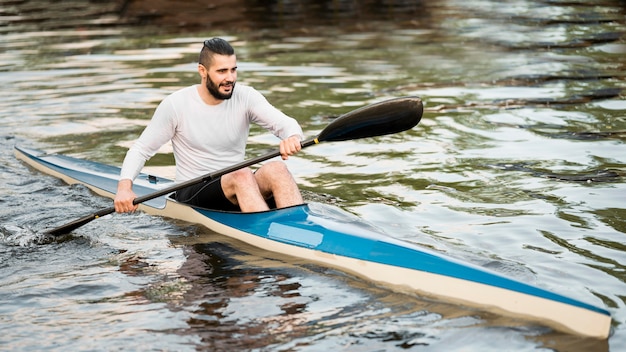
(215, 46)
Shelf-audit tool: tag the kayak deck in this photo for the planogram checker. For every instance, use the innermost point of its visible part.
(329, 236)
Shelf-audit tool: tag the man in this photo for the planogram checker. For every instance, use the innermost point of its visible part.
(208, 125)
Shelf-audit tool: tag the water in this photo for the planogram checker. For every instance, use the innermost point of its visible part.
(518, 165)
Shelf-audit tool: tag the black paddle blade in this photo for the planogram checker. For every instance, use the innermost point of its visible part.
(386, 117)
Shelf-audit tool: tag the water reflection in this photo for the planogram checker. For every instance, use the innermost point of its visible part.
(238, 300)
(237, 15)
(241, 300)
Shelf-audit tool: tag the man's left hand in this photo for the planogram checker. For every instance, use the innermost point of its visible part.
(289, 146)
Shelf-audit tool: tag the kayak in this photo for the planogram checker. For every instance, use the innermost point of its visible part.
(326, 235)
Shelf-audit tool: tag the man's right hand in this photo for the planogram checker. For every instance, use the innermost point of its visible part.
(124, 197)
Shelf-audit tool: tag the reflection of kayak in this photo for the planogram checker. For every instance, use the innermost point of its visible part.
(325, 234)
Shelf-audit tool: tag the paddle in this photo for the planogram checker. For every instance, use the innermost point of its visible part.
(390, 116)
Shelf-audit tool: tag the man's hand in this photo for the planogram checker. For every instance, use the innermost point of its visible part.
(124, 197)
(290, 146)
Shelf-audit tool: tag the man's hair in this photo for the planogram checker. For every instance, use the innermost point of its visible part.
(214, 46)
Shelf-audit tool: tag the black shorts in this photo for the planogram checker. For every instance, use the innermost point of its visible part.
(211, 196)
(206, 195)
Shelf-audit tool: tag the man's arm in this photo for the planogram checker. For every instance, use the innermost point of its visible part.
(124, 197)
(269, 117)
(158, 131)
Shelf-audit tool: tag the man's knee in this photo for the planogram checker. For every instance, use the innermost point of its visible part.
(273, 175)
(276, 168)
(239, 177)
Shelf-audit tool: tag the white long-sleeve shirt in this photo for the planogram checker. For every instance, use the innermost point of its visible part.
(206, 138)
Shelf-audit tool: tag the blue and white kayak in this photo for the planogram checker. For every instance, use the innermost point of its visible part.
(330, 237)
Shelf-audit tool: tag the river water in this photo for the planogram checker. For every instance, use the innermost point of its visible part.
(517, 165)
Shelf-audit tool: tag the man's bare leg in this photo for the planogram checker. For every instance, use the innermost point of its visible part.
(241, 188)
(249, 190)
(275, 179)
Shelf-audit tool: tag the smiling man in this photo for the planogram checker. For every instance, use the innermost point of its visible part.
(208, 124)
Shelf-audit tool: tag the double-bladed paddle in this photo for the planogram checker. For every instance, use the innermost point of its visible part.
(386, 117)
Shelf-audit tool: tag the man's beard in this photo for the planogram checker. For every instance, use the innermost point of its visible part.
(215, 92)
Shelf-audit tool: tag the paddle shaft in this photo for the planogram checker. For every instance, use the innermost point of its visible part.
(378, 119)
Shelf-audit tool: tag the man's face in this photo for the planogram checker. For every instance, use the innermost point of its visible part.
(221, 76)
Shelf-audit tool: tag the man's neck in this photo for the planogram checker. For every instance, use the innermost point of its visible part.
(207, 97)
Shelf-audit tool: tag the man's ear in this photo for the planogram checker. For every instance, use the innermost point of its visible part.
(202, 70)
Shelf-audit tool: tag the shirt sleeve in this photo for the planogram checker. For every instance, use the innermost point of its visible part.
(267, 116)
(158, 132)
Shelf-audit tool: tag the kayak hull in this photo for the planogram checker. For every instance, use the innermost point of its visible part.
(329, 236)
